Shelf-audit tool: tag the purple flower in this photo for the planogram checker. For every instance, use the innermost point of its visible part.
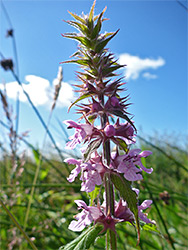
(74, 173)
(89, 180)
(113, 102)
(128, 164)
(124, 131)
(82, 130)
(90, 175)
(131, 172)
(110, 130)
(145, 204)
(139, 163)
(84, 218)
(123, 212)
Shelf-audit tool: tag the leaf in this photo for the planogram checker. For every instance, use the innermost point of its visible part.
(90, 19)
(151, 228)
(101, 44)
(121, 114)
(43, 173)
(121, 143)
(126, 192)
(93, 194)
(97, 27)
(83, 40)
(108, 70)
(91, 148)
(81, 27)
(79, 99)
(85, 240)
(36, 154)
(92, 118)
(83, 62)
(77, 17)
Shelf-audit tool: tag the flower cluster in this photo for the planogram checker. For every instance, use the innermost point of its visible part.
(98, 214)
(100, 166)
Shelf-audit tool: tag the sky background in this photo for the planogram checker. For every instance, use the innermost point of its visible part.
(152, 42)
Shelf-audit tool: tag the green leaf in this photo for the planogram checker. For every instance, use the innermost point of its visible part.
(126, 192)
(81, 27)
(90, 19)
(91, 148)
(79, 99)
(83, 62)
(83, 40)
(43, 173)
(92, 118)
(121, 144)
(151, 228)
(107, 71)
(77, 17)
(93, 195)
(102, 43)
(85, 240)
(36, 154)
(97, 27)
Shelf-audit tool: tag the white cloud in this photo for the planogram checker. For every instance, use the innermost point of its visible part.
(136, 65)
(149, 76)
(40, 91)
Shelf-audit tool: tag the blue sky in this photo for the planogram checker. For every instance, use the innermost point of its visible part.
(152, 41)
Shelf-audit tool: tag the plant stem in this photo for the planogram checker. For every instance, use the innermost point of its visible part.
(111, 241)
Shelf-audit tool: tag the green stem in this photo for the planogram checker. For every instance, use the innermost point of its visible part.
(32, 193)
(18, 226)
(111, 241)
(107, 240)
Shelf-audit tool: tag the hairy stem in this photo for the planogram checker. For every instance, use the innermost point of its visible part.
(111, 241)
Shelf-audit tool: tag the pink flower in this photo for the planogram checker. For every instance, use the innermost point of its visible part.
(82, 130)
(89, 180)
(84, 218)
(128, 164)
(74, 173)
(145, 204)
(123, 131)
(123, 212)
(92, 109)
(114, 102)
(90, 175)
(110, 130)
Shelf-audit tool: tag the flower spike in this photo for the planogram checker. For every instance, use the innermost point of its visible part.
(104, 121)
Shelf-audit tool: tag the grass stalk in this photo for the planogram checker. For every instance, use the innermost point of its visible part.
(161, 217)
(39, 116)
(18, 225)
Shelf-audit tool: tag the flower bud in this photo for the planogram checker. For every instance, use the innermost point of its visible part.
(110, 130)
